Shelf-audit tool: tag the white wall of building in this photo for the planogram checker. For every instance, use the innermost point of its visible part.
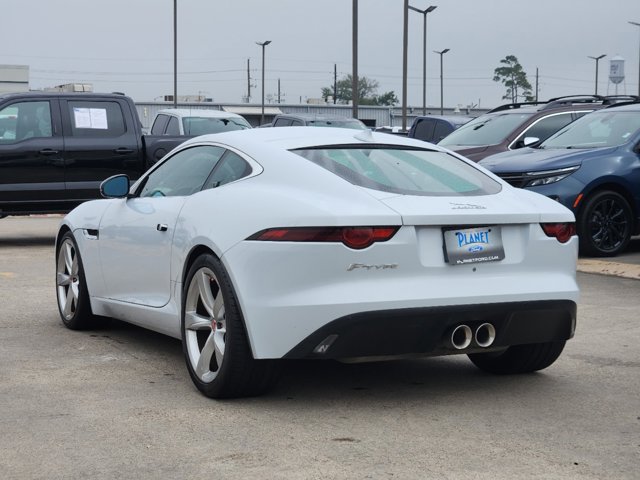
(14, 78)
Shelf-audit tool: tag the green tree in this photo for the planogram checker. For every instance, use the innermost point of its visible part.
(388, 99)
(512, 76)
(367, 92)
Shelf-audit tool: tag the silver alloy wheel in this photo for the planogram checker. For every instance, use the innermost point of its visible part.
(68, 279)
(205, 325)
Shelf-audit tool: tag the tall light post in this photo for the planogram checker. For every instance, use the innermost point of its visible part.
(354, 59)
(597, 59)
(263, 45)
(424, 53)
(405, 48)
(175, 53)
(638, 25)
(441, 80)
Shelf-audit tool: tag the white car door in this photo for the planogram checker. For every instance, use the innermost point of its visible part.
(136, 234)
(135, 249)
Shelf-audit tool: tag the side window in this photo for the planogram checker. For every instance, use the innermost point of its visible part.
(297, 123)
(23, 120)
(282, 122)
(183, 173)
(442, 130)
(96, 119)
(544, 128)
(159, 124)
(424, 130)
(174, 126)
(231, 168)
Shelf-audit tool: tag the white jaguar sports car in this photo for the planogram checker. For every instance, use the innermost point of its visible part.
(291, 243)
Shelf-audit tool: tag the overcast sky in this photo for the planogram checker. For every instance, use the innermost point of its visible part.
(127, 45)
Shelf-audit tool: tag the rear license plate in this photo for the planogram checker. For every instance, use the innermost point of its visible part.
(473, 245)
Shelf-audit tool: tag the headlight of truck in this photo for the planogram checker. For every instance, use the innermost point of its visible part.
(549, 176)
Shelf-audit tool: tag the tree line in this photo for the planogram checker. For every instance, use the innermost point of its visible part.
(510, 73)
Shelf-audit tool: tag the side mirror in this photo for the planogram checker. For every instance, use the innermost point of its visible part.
(528, 141)
(115, 187)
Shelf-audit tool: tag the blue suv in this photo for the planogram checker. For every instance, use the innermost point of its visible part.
(592, 166)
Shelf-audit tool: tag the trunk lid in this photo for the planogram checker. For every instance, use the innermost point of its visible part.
(506, 207)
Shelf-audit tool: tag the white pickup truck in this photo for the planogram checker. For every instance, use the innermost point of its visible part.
(194, 122)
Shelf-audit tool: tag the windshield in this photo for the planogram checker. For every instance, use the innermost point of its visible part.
(402, 170)
(485, 130)
(598, 129)
(204, 125)
(349, 123)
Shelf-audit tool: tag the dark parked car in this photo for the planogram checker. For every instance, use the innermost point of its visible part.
(311, 120)
(433, 128)
(516, 125)
(592, 167)
(56, 148)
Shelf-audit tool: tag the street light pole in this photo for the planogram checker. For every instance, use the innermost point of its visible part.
(638, 25)
(424, 53)
(354, 59)
(597, 59)
(263, 45)
(441, 79)
(175, 53)
(405, 47)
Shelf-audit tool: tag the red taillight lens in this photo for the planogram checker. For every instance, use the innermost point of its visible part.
(353, 237)
(357, 237)
(561, 231)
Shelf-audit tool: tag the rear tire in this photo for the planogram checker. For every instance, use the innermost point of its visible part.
(519, 358)
(605, 225)
(214, 341)
(71, 287)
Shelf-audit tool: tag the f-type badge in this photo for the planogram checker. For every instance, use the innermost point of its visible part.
(466, 206)
(383, 266)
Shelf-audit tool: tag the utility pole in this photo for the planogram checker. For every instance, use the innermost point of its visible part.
(335, 82)
(442, 79)
(175, 53)
(278, 90)
(248, 81)
(263, 45)
(405, 45)
(597, 59)
(424, 52)
(638, 25)
(354, 74)
(536, 84)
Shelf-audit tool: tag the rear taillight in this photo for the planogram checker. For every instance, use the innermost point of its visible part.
(353, 237)
(561, 231)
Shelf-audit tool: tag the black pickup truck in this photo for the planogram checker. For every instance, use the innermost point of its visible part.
(56, 148)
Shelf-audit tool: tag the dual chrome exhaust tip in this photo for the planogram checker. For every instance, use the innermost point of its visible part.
(462, 336)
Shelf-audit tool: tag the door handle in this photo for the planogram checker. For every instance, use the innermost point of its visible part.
(48, 151)
(123, 150)
(162, 227)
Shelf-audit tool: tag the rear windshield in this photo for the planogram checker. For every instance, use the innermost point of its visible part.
(486, 130)
(402, 170)
(204, 125)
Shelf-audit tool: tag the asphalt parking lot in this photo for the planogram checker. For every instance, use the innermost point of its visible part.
(118, 402)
